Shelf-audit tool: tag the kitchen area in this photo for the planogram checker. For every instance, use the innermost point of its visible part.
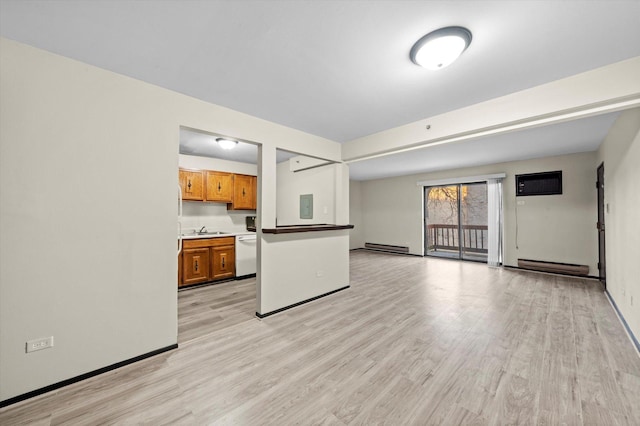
(217, 244)
(209, 256)
(217, 212)
(216, 234)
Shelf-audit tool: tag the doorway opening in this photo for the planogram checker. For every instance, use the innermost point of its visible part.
(216, 280)
(456, 221)
(602, 269)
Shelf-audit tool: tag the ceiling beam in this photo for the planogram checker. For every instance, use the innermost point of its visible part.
(611, 88)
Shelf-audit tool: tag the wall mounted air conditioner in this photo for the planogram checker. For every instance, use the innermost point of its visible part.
(546, 183)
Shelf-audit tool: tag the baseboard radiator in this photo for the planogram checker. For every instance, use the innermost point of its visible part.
(558, 268)
(387, 247)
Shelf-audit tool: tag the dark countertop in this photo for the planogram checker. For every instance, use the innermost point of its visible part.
(305, 228)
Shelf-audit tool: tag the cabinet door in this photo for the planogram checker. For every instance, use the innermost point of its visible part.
(192, 184)
(224, 262)
(244, 192)
(254, 185)
(219, 187)
(195, 266)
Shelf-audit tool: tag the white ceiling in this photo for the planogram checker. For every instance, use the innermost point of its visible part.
(337, 69)
(204, 145)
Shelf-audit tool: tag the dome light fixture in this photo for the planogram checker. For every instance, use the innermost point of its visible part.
(226, 143)
(440, 48)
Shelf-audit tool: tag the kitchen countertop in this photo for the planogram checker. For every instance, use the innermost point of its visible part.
(190, 236)
(278, 230)
(289, 229)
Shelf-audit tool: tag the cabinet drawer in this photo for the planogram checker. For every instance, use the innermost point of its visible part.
(208, 242)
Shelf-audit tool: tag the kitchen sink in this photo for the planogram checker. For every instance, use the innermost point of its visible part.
(205, 233)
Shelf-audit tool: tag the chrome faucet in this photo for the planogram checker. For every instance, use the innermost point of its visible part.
(202, 230)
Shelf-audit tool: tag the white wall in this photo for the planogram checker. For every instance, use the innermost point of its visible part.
(217, 164)
(319, 181)
(620, 153)
(88, 189)
(214, 216)
(319, 259)
(356, 237)
(557, 228)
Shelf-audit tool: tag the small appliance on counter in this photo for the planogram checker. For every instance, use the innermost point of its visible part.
(251, 223)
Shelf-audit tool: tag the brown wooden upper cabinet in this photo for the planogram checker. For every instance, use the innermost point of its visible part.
(244, 193)
(238, 191)
(219, 187)
(192, 184)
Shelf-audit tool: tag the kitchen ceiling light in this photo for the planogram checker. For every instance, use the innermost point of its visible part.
(441, 47)
(226, 143)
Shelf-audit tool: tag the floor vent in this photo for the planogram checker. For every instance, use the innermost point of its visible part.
(558, 268)
(387, 247)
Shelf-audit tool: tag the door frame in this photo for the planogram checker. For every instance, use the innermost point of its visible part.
(600, 225)
(425, 236)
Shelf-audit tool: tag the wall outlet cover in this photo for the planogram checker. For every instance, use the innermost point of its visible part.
(39, 344)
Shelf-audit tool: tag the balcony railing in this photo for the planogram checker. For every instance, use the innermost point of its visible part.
(446, 237)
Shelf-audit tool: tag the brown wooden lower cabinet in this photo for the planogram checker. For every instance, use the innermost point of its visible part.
(224, 262)
(206, 259)
(196, 266)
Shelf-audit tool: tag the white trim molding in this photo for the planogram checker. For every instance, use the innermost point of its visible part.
(455, 181)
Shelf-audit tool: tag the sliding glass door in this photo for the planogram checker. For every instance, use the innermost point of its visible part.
(473, 221)
(456, 221)
(442, 217)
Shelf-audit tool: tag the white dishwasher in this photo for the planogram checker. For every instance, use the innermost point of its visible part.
(245, 255)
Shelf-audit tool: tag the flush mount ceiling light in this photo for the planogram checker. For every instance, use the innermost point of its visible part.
(441, 47)
(226, 143)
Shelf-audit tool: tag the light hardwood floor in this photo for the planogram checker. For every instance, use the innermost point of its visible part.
(413, 341)
(204, 310)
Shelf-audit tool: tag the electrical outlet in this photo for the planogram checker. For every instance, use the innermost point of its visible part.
(520, 202)
(39, 344)
(319, 274)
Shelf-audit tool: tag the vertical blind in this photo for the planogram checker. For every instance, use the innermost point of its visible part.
(494, 219)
